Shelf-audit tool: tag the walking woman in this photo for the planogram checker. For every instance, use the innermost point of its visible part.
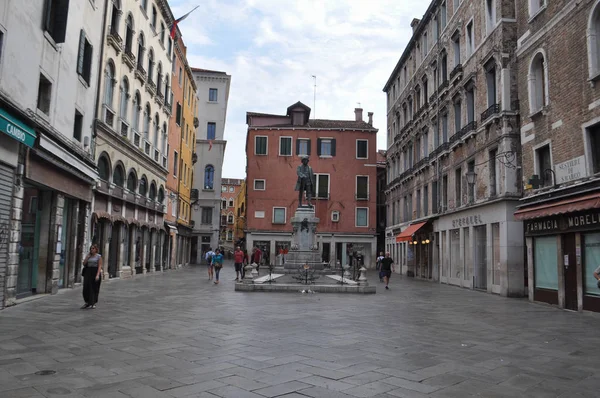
(218, 263)
(92, 269)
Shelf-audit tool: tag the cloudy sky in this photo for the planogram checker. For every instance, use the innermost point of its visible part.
(271, 48)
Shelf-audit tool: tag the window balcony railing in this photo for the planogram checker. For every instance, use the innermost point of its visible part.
(456, 71)
(109, 116)
(167, 108)
(443, 86)
(114, 39)
(151, 87)
(164, 162)
(129, 59)
(140, 73)
(433, 96)
(156, 155)
(124, 130)
(146, 147)
(397, 138)
(136, 138)
(489, 112)
(159, 99)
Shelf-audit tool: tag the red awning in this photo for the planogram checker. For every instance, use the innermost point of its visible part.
(571, 205)
(407, 234)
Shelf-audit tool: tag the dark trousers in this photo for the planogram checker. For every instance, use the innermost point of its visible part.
(305, 186)
(217, 272)
(91, 287)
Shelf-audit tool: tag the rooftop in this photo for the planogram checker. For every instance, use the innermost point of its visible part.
(208, 71)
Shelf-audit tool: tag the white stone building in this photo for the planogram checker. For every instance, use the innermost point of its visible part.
(213, 96)
(49, 57)
(131, 144)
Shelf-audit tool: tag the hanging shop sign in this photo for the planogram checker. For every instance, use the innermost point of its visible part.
(16, 129)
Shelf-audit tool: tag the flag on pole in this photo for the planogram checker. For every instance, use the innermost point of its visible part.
(209, 145)
(175, 22)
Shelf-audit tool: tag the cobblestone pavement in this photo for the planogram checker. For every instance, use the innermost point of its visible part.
(177, 335)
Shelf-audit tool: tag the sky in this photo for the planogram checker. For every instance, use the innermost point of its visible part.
(272, 48)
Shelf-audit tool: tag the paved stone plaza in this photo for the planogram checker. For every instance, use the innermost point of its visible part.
(178, 335)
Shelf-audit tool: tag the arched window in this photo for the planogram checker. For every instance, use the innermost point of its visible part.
(152, 194)
(147, 122)
(124, 98)
(150, 65)
(167, 89)
(129, 34)
(593, 41)
(418, 97)
(143, 186)
(156, 128)
(231, 203)
(223, 204)
(425, 90)
(137, 108)
(145, 5)
(115, 17)
(230, 218)
(164, 139)
(131, 181)
(161, 195)
(209, 175)
(119, 176)
(141, 49)
(538, 83)
(104, 167)
(109, 77)
(159, 78)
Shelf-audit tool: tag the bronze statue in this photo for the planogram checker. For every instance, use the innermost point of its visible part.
(306, 182)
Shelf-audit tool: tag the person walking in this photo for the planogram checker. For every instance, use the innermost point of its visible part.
(246, 262)
(378, 266)
(92, 270)
(387, 267)
(217, 261)
(238, 259)
(209, 260)
(256, 257)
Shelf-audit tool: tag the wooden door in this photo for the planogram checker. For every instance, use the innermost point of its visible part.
(570, 272)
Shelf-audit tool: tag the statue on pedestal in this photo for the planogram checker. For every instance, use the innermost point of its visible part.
(306, 182)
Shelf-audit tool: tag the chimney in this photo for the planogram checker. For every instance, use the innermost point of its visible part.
(358, 114)
(370, 118)
(414, 24)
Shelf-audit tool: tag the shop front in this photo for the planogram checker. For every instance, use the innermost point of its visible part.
(481, 248)
(563, 252)
(418, 240)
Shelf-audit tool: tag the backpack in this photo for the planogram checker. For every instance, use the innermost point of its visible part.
(209, 259)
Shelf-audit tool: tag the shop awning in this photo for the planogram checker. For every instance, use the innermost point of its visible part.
(15, 128)
(407, 234)
(586, 202)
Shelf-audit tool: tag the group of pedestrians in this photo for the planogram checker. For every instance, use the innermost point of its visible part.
(215, 264)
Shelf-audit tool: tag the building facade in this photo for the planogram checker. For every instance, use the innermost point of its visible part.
(559, 65)
(239, 232)
(342, 154)
(49, 56)
(131, 137)
(453, 149)
(213, 96)
(381, 205)
(230, 189)
(186, 112)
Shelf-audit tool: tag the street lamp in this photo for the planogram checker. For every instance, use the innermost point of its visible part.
(471, 176)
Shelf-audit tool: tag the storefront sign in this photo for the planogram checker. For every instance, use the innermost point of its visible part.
(13, 127)
(570, 170)
(466, 221)
(541, 226)
(569, 222)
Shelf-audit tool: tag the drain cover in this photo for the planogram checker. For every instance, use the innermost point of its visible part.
(45, 372)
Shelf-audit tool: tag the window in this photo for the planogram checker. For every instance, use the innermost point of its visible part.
(209, 175)
(279, 215)
(362, 149)
(490, 15)
(418, 197)
(490, 79)
(444, 193)
(434, 197)
(44, 95)
(178, 114)
(223, 188)
(223, 204)
(456, 48)
(143, 188)
(325, 147)
(322, 186)
(470, 39)
(444, 128)
(180, 76)
(418, 97)
(425, 201)
(444, 68)
(260, 145)
(162, 33)
(212, 94)
(455, 4)
(418, 151)
(103, 168)
(229, 235)
(154, 15)
(55, 19)
(362, 187)
(457, 116)
(335, 216)
(538, 83)
(470, 103)
(594, 134)
(141, 49)
(169, 47)
(458, 187)
(78, 126)
(84, 58)
(231, 203)
(593, 43)
(1, 45)
(124, 97)
(471, 187)
(210, 130)
(425, 45)
(109, 76)
(493, 167)
(151, 65)
(206, 217)
(131, 181)
(302, 146)
(536, 6)
(259, 185)
(119, 176)
(362, 217)
(230, 218)
(156, 128)
(443, 15)
(425, 90)
(231, 189)
(175, 163)
(285, 146)
(144, 5)
(543, 163)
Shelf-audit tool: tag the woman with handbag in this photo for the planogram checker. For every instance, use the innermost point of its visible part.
(218, 264)
(92, 271)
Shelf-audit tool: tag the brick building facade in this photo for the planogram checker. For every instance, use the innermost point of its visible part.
(559, 65)
(343, 157)
(453, 149)
(230, 188)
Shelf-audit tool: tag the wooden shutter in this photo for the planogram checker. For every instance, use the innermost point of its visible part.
(318, 147)
(333, 147)
(81, 53)
(60, 20)
(87, 62)
(308, 147)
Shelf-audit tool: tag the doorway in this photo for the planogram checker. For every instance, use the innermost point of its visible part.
(570, 272)
(113, 254)
(194, 252)
(480, 268)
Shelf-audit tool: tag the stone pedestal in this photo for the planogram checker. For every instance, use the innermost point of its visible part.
(303, 249)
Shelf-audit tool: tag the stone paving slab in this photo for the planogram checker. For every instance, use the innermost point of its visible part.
(176, 334)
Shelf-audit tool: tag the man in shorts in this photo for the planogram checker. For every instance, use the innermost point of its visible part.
(378, 265)
(238, 260)
(209, 256)
(387, 267)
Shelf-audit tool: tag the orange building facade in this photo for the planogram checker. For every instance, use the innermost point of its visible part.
(230, 188)
(343, 156)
